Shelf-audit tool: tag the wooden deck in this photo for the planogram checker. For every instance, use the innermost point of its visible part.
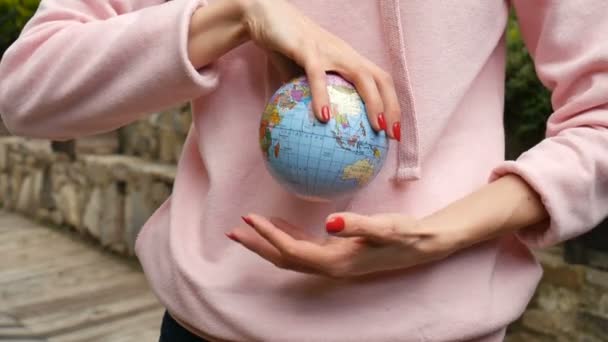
(57, 287)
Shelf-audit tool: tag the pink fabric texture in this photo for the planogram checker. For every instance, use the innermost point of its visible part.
(408, 153)
(88, 66)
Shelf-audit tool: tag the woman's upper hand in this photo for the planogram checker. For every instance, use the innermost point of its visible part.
(290, 37)
(278, 26)
(357, 244)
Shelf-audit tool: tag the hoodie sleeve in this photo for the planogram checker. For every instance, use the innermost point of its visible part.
(569, 168)
(84, 67)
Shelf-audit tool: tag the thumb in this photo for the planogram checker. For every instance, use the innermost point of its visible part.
(378, 228)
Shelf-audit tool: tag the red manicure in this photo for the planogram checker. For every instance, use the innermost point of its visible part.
(232, 237)
(397, 130)
(335, 225)
(247, 220)
(381, 121)
(325, 113)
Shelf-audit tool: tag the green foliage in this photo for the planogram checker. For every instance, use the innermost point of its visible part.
(13, 16)
(527, 101)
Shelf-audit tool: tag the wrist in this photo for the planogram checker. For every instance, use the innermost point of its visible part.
(216, 29)
(243, 12)
(451, 230)
(461, 226)
(250, 12)
(496, 209)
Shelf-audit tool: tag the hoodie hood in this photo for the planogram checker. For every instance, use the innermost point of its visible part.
(408, 154)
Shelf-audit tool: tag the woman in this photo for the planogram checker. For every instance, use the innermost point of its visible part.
(436, 248)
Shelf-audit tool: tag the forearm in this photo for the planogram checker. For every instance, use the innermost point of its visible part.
(501, 207)
(215, 30)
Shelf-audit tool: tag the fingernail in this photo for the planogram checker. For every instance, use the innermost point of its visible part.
(381, 121)
(232, 237)
(335, 225)
(397, 130)
(325, 113)
(247, 220)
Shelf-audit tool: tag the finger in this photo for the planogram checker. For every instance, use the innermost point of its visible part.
(302, 252)
(317, 80)
(351, 225)
(296, 232)
(366, 86)
(260, 246)
(270, 232)
(382, 228)
(255, 243)
(386, 87)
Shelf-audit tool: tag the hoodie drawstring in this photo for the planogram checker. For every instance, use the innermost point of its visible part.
(408, 153)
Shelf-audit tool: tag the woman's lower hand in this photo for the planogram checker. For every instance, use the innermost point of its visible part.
(288, 35)
(356, 245)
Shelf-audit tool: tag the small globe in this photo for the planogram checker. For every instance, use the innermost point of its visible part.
(315, 160)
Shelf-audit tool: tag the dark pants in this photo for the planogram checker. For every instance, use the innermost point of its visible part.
(171, 331)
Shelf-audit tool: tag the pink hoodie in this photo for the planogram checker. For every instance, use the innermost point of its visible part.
(88, 66)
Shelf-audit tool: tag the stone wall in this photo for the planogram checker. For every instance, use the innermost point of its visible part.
(570, 305)
(158, 137)
(108, 197)
(105, 186)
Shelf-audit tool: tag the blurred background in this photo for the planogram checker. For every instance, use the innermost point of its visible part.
(87, 199)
